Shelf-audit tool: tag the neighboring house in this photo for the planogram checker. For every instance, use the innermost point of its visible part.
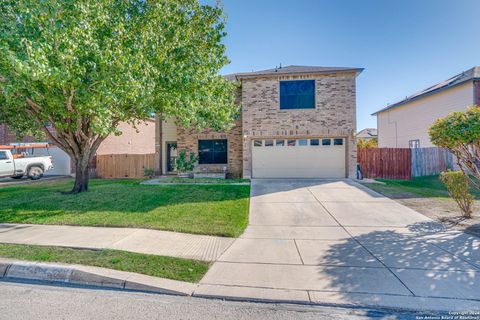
(295, 122)
(139, 140)
(405, 124)
(7, 136)
(367, 134)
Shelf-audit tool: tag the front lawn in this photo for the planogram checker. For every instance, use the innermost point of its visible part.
(430, 186)
(202, 209)
(428, 196)
(157, 266)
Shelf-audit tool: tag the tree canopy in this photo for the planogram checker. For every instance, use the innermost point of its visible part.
(459, 132)
(83, 66)
(367, 143)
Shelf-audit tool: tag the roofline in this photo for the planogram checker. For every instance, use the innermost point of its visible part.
(240, 76)
(405, 101)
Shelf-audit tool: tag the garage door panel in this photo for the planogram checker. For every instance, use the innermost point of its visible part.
(298, 161)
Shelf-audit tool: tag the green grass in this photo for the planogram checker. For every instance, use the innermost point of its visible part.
(201, 209)
(157, 266)
(428, 187)
(203, 180)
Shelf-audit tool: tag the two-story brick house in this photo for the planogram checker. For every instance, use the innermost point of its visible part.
(295, 122)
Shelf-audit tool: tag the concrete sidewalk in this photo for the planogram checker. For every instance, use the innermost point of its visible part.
(337, 242)
(164, 243)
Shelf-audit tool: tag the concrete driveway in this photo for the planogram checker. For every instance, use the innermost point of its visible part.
(338, 242)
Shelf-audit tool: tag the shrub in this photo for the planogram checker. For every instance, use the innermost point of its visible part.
(459, 133)
(370, 143)
(457, 184)
(185, 164)
(148, 172)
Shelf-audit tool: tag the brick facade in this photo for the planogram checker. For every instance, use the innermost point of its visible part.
(7, 136)
(188, 139)
(334, 115)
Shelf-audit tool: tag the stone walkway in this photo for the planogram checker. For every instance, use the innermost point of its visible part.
(164, 243)
(320, 241)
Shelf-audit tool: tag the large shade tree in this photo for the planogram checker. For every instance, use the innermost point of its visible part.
(83, 66)
(459, 132)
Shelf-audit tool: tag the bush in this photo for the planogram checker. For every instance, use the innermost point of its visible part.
(184, 164)
(457, 184)
(148, 172)
(370, 143)
(459, 133)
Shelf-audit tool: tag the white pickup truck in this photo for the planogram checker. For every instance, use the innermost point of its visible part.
(17, 167)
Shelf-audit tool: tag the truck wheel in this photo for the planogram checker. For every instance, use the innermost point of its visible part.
(35, 173)
(17, 177)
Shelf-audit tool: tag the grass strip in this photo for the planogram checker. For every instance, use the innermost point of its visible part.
(152, 265)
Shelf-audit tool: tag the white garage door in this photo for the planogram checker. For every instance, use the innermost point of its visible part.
(299, 158)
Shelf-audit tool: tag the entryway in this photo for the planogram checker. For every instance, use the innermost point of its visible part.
(171, 156)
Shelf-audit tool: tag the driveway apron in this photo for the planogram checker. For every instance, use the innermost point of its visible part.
(336, 241)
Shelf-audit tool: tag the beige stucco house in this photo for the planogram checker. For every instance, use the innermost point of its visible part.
(132, 140)
(405, 124)
(295, 122)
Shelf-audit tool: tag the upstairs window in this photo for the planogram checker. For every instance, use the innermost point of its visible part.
(212, 151)
(298, 94)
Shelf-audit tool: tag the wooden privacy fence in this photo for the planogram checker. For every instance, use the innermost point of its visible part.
(430, 161)
(388, 163)
(403, 163)
(124, 165)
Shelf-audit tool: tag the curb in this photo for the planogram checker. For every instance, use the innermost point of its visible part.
(96, 277)
(91, 276)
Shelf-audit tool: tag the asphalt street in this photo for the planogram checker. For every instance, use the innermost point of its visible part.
(39, 301)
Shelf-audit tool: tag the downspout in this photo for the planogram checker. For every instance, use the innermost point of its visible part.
(476, 89)
(158, 145)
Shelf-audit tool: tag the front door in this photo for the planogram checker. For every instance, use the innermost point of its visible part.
(171, 156)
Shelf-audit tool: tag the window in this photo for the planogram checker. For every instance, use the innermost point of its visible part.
(414, 143)
(257, 143)
(326, 142)
(268, 143)
(212, 151)
(338, 142)
(303, 142)
(314, 142)
(292, 143)
(3, 155)
(279, 143)
(298, 94)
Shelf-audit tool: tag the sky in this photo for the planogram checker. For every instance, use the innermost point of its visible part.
(405, 46)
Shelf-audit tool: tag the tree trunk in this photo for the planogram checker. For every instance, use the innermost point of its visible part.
(81, 178)
(82, 172)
